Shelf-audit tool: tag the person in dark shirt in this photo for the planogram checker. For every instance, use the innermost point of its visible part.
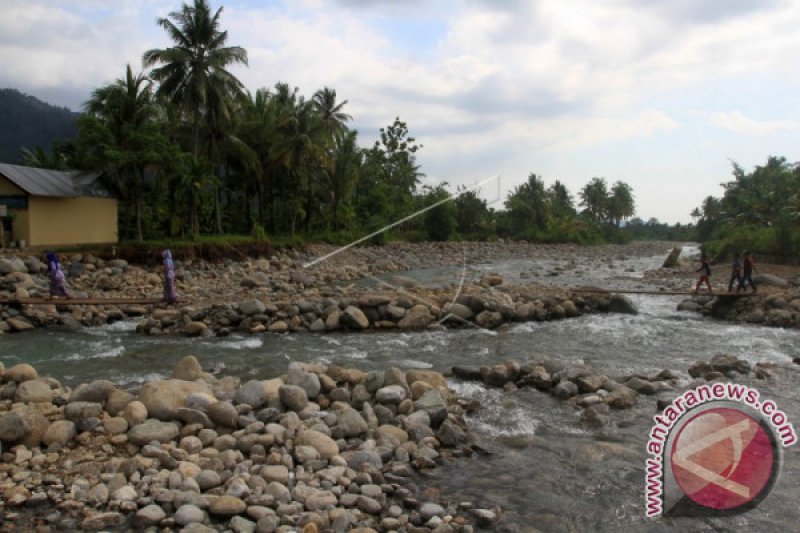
(736, 272)
(748, 266)
(705, 274)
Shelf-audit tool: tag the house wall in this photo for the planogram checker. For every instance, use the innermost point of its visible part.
(70, 221)
(7, 188)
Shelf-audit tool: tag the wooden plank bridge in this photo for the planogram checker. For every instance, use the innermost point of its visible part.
(86, 301)
(663, 293)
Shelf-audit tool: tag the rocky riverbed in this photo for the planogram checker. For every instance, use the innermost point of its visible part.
(319, 448)
(290, 292)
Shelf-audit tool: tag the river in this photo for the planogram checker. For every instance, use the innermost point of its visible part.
(546, 472)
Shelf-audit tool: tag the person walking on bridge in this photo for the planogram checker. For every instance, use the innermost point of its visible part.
(705, 274)
(749, 266)
(736, 272)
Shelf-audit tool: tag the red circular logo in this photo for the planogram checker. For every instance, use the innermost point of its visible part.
(723, 458)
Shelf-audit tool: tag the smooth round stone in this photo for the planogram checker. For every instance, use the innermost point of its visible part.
(189, 514)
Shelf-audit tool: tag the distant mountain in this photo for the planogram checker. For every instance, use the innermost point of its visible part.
(27, 122)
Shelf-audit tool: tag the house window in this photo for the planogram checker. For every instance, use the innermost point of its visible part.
(14, 202)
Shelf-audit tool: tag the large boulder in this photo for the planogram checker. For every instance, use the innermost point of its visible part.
(12, 264)
(252, 307)
(26, 425)
(163, 398)
(59, 433)
(293, 397)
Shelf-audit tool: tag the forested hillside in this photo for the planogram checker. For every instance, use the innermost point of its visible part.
(27, 122)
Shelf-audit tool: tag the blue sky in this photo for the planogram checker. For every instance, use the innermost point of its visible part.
(662, 95)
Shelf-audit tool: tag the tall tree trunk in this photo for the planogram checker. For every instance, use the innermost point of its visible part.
(217, 210)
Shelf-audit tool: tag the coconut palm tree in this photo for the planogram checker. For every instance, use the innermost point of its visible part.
(330, 112)
(124, 115)
(594, 197)
(193, 73)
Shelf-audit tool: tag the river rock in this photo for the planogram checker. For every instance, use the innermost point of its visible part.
(189, 514)
(227, 506)
(565, 390)
(619, 303)
(163, 398)
(355, 318)
(59, 433)
(450, 434)
(34, 390)
(642, 386)
(187, 369)
(149, 515)
(308, 381)
(351, 423)
(21, 372)
(96, 391)
(725, 362)
(432, 403)
(257, 393)
(467, 373)
(224, 414)
(152, 430)
(101, 521)
(393, 394)
(293, 397)
(12, 427)
(672, 259)
(12, 264)
(417, 317)
(489, 319)
(325, 446)
(252, 307)
(621, 398)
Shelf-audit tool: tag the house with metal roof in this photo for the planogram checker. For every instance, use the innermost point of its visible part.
(41, 207)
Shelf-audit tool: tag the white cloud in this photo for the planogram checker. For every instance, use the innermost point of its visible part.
(736, 122)
(504, 86)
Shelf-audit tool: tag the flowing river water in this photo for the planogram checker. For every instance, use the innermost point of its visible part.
(546, 472)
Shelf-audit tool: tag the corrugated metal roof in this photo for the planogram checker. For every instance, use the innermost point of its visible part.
(54, 183)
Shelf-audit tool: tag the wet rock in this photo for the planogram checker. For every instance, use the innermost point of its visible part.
(432, 403)
(770, 280)
(725, 362)
(418, 317)
(700, 369)
(467, 373)
(565, 390)
(619, 303)
(641, 386)
(489, 319)
(672, 259)
(451, 435)
(621, 398)
(354, 318)
(393, 394)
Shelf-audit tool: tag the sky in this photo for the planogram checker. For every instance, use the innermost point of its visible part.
(661, 95)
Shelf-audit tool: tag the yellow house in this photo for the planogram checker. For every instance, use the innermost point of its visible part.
(56, 208)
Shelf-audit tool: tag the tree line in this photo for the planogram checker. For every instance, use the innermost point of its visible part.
(188, 150)
(758, 211)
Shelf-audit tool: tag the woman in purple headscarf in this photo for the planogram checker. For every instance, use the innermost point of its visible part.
(58, 283)
(170, 295)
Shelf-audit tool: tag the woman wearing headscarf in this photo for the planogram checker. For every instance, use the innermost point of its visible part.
(58, 282)
(170, 295)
